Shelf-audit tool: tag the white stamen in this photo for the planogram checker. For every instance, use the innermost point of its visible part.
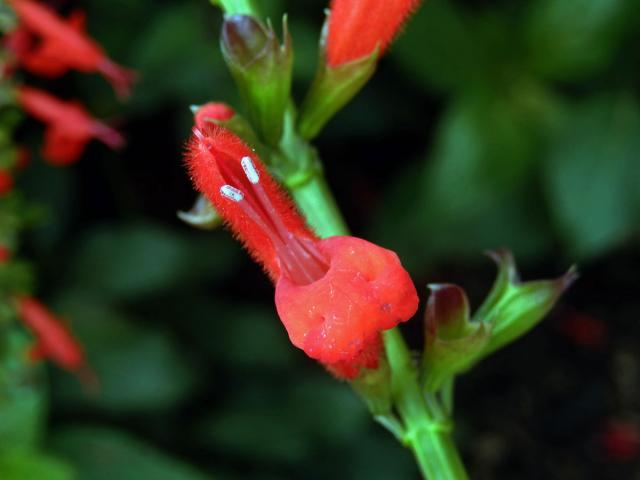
(231, 193)
(198, 133)
(250, 170)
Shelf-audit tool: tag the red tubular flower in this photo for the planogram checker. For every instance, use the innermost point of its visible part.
(213, 111)
(358, 27)
(69, 126)
(54, 341)
(6, 182)
(63, 45)
(333, 295)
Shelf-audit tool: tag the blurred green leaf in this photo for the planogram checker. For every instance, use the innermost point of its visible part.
(129, 261)
(286, 426)
(592, 174)
(570, 39)
(446, 48)
(19, 464)
(178, 59)
(138, 369)
(100, 453)
(474, 193)
(23, 401)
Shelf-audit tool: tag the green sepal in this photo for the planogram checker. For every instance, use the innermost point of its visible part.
(332, 89)
(374, 387)
(262, 68)
(514, 307)
(202, 215)
(452, 341)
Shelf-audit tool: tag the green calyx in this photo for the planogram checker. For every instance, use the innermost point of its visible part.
(332, 89)
(514, 307)
(455, 341)
(261, 67)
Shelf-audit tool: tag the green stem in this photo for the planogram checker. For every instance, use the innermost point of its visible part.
(427, 431)
(316, 202)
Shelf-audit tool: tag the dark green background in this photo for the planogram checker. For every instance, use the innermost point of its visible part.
(490, 123)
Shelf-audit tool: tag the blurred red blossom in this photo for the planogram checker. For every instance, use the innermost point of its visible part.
(46, 44)
(69, 126)
(5, 254)
(334, 295)
(621, 441)
(6, 182)
(358, 27)
(583, 330)
(53, 340)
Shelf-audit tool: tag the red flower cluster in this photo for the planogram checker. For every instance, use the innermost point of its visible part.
(334, 295)
(49, 45)
(358, 27)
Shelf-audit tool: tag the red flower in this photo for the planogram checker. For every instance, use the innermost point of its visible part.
(5, 254)
(333, 295)
(357, 27)
(54, 341)
(213, 111)
(6, 182)
(62, 44)
(69, 126)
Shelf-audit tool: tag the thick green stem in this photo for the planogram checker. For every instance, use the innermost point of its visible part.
(427, 430)
(316, 202)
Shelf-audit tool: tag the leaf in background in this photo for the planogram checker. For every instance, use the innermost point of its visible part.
(178, 59)
(445, 48)
(19, 464)
(23, 402)
(287, 426)
(139, 369)
(140, 259)
(571, 39)
(100, 453)
(475, 192)
(592, 175)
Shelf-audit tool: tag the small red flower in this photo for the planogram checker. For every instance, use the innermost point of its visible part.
(334, 295)
(62, 44)
(6, 182)
(358, 27)
(5, 254)
(54, 341)
(69, 126)
(584, 330)
(213, 111)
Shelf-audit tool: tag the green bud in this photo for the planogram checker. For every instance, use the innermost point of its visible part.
(452, 341)
(514, 307)
(261, 67)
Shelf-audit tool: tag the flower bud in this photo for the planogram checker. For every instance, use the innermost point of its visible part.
(452, 342)
(261, 67)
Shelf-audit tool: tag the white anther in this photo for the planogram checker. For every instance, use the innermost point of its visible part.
(231, 193)
(250, 170)
(198, 133)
